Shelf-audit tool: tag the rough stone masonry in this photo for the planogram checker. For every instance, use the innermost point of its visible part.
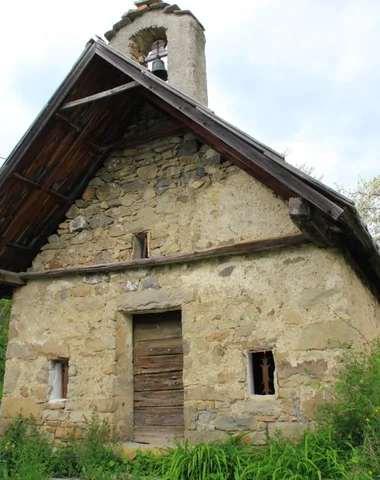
(297, 302)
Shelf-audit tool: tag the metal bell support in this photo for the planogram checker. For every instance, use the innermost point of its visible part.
(159, 69)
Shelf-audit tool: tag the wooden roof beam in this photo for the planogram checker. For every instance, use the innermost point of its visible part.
(101, 95)
(305, 218)
(37, 185)
(51, 226)
(11, 278)
(152, 262)
(11, 229)
(20, 248)
(48, 112)
(65, 119)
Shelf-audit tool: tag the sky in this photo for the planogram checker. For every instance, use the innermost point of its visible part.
(301, 76)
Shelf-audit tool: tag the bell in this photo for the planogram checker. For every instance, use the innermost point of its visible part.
(159, 69)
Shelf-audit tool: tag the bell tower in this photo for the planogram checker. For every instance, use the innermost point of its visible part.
(155, 34)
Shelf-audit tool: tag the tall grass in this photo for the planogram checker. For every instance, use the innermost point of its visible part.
(315, 456)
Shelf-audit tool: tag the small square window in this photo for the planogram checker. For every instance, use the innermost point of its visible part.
(261, 369)
(59, 379)
(142, 245)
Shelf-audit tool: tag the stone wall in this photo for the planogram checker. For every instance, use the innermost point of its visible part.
(229, 307)
(365, 309)
(297, 302)
(178, 189)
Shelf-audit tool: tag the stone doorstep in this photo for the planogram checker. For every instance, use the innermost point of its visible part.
(130, 448)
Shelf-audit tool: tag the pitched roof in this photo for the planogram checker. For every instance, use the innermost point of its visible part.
(56, 158)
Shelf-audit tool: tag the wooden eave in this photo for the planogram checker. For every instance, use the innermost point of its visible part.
(68, 142)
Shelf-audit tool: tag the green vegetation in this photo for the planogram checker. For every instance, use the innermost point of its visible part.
(26, 454)
(315, 456)
(5, 308)
(344, 446)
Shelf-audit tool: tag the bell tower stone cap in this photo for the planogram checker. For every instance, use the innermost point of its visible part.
(144, 6)
(140, 3)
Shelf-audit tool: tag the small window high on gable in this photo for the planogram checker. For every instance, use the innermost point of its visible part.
(142, 245)
(59, 379)
(261, 369)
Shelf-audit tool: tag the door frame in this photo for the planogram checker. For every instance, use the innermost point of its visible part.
(124, 391)
(175, 316)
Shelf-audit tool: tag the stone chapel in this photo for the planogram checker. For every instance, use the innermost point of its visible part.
(168, 272)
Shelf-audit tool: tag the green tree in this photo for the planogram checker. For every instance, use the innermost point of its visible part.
(309, 170)
(366, 196)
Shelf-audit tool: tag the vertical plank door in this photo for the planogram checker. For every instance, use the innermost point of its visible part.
(157, 370)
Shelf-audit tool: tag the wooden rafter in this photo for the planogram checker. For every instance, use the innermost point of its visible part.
(51, 108)
(29, 206)
(39, 186)
(307, 220)
(101, 95)
(65, 119)
(50, 227)
(20, 248)
(11, 278)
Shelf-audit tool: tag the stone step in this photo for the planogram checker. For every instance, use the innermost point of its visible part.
(130, 448)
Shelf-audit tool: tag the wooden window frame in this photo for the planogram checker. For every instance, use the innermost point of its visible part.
(64, 378)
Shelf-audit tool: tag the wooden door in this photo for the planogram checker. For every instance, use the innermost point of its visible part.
(158, 386)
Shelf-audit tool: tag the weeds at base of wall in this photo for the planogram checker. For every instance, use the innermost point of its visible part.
(28, 455)
(344, 446)
(315, 456)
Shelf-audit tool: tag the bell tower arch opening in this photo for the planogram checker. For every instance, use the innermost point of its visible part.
(149, 48)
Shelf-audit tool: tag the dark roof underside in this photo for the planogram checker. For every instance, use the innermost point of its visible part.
(57, 157)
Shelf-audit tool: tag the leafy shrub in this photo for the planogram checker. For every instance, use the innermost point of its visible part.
(356, 407)
(24, 451)
(146, 465)
(65, 462)
(368, 461)
(95, 454)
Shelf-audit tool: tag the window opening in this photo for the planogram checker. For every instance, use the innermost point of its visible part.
(142, 245)
(59, 379)
(261, 369)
